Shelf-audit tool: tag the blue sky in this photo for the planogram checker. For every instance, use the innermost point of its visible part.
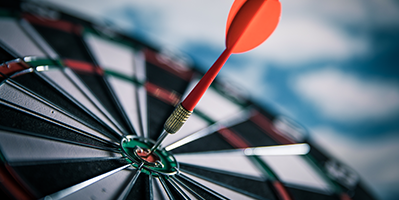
(333, 66)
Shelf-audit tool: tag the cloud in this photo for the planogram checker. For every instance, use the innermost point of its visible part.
(251, 78)
(376, 159)
(346, 97)
(300, 40)
(309, 30)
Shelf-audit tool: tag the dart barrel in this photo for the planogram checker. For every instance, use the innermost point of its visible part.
(177, 119)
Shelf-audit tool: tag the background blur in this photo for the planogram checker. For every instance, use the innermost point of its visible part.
(333, 66)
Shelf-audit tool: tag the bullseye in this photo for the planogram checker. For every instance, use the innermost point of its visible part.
(136, 151)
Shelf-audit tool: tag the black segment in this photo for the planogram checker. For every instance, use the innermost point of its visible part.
(165, 79)
(158, 112)
(176, 195)
(299, 194)
(99, 87)
(45, 179)
(317, 154)
(14, 119)
(253, 134)
(201, 192)
(41, 87)
(361, 194)
(141, 189)
(255, 188)
(211, 142)
(67, 45)
(5, 55)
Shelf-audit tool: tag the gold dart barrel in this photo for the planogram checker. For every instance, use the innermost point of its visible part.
(177, 119)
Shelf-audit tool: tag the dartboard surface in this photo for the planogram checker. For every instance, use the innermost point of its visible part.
(79, 100)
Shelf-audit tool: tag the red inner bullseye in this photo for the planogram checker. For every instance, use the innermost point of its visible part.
(152, 158)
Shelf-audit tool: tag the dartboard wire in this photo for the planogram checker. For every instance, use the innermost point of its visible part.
(138, 85)
(265, 168)
(125, 193)
(140, 75)
(37, 39)
(184, 176)
(58, 123)
(132, 71)
(238, 142)
(67, 191)
(41, 100)
(70, 76)
(336, 189)
(190, 190)
(29, 150)
(165, 187)
(42, 21)
(59, 161)
(27, 133)
(267, 127)
(221, 184)
(172, 182)
(213, 128)
(74, 78)
(157, 189)
(107, 85)
(40, 43)
(8, 50)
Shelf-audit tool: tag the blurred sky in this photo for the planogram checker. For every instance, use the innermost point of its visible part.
(333, 66)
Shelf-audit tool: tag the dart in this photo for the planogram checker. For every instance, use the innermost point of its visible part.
(249, 24)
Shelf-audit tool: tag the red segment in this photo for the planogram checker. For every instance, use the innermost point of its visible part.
(9, 68)
(233, 138)
(162, 94)
(281, 191)
(83, 66)
(152, 158)
(199, 90)
(169, 65)
(345, 196)
(56, 24)
(10, 184)
(265, 124)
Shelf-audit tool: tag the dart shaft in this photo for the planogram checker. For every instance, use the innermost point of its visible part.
(173, 124)
(199, 90)
(158, 142)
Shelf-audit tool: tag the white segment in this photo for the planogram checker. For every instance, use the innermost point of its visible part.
(182, 189)
(17, 147)
(239, 164)
(158, 190)
(38, 39)
(216, 106)
(126, 94)
(297, 171)
(107, 188)
(16, 39)
(111, 55)
(230, 194)
(74, 87)
(139, 65)
(193, 124)
(30, 102)
(142, 98)
(139, 61)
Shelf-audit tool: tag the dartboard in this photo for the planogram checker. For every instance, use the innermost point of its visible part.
(80, 100)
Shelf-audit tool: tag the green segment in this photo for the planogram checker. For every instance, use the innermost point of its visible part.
(169, 162)
(123, 77)
(33, 61)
